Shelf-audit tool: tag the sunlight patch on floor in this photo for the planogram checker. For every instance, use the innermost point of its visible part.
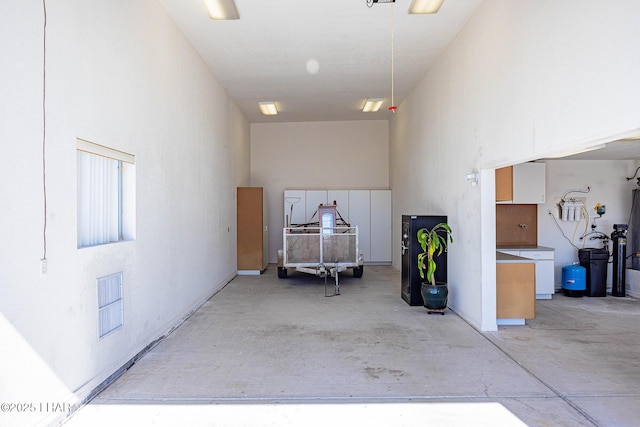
(488, 414)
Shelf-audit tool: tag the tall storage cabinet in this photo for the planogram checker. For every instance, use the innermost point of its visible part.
(380, 226)
(252, 230)
(360, 215)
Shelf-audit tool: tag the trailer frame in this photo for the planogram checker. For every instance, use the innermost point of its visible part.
(322, 251)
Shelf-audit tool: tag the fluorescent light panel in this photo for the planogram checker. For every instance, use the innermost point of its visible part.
(372, 105)
(222, 9)
(268, 108)
(420, 7)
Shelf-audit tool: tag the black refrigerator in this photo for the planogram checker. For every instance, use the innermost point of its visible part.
(410, 277)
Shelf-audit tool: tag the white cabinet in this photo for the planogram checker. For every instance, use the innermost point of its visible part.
(341, 198)
(545, 283)
(380, 225)
(545, 277)
(370, 210)
(294, 207)
(313, 199)
(360, 215)
(528, 184)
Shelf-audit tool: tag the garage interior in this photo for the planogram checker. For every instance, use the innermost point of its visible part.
(172, 97)
(270, 351)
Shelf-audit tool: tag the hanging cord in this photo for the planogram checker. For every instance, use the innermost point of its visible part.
(563, 198)
(634, 174)
(583, 211)
(393, 106)
(44, 128)
(632, 222)
(633, 207)
(562, 231)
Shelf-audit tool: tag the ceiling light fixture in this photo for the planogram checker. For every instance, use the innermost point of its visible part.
(372, 105)
(268, 108)
(421, 7)
(222, 9)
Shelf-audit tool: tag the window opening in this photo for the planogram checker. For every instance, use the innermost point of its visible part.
(106, 195)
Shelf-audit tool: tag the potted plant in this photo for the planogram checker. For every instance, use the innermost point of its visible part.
(433, 243)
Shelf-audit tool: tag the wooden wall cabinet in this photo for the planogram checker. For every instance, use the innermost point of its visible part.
(521, 184)
(504, 184)
(252, 230)
(516, 225)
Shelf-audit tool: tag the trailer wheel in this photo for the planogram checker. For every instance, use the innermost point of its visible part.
(282, 272)
(357, 271)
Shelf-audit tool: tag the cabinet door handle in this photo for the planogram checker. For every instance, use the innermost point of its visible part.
(522, 225)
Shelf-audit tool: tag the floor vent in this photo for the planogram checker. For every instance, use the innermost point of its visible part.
(109, 304)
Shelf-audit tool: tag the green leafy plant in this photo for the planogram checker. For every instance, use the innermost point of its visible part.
(433, 243)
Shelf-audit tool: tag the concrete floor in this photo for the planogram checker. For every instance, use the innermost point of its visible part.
(269, 351)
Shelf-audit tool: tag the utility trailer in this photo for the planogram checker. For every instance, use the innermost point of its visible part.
(323, 248)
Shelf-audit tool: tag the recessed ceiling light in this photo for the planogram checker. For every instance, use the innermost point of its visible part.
(268, 108)
(372, 105)
(222, 9)
(420, 7)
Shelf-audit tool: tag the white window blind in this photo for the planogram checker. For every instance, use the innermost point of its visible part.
(101, 194)
(110, 312)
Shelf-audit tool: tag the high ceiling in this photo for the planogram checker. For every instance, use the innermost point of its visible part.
(318, 59)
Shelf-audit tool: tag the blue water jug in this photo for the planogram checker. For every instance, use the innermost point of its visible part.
(574, 280)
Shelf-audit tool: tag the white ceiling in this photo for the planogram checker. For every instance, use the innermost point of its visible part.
(263, 56)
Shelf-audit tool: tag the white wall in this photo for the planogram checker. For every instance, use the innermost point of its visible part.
(520, 81)
(608, 186)
(122, 75)
(316, 155)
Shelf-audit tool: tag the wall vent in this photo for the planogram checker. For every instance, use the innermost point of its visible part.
(109, 304)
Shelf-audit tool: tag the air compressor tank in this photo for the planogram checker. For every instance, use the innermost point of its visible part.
(574, 280)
